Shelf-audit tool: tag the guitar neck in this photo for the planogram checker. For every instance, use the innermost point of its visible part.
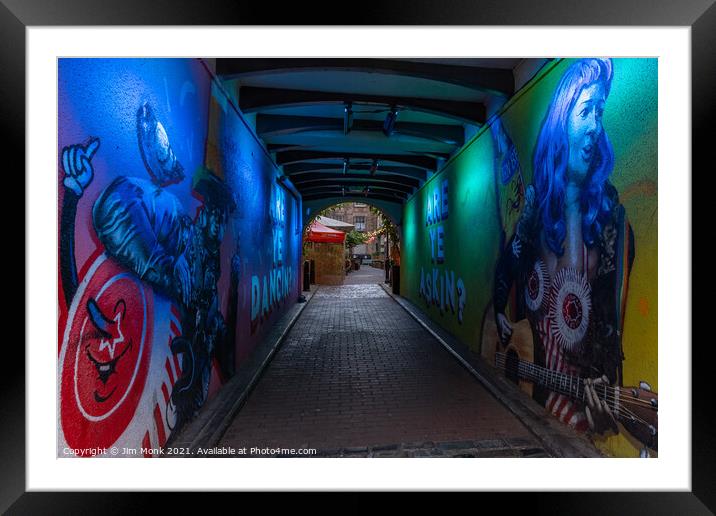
(571, 386)
(635, 407)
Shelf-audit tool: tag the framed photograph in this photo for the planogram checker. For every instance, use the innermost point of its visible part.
(53, 61)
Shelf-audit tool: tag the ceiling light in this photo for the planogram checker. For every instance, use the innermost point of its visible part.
(389, 123)
(347, 117)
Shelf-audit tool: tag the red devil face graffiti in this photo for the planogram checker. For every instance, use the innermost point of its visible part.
(105, 355)
(105, 345)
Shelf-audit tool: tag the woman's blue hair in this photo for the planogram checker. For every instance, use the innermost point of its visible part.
(552, 156)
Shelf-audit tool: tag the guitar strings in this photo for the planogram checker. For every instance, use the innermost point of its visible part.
(621, 409)
(627, 398)
(632, 415)
(609, 395)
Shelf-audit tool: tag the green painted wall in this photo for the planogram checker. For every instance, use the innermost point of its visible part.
(472, 230)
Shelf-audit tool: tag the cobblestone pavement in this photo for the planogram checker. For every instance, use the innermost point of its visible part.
(366, 275)
(357, 376)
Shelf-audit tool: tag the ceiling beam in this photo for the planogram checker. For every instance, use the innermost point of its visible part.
(338, 192)
(364, 178)
(281, 125)
(355, 184)
(284, 147)
(298, 156)
(353, 197)
(491, 80)
(296, 170)
(354, 188)
(290, 147)
(253, 99)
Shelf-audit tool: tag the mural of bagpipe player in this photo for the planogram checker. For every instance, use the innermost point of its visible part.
(570, 258)
(142, 226)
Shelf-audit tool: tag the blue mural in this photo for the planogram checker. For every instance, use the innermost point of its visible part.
(155, 300)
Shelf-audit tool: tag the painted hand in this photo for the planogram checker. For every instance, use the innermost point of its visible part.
(598, 414)
(76, 162)
(504, 328)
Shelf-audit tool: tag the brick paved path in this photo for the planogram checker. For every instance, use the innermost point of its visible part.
(366, 275)
(357, 375)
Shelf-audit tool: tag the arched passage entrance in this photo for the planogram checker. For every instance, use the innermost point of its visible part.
(393, 210)
(367, 251)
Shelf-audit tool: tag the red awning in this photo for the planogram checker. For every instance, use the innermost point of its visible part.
(320, 233)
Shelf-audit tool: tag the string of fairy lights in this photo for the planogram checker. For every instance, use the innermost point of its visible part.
(367, 235)
(371, 234)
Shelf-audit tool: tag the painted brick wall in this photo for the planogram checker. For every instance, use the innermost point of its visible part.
(460, 224)
(178, 248)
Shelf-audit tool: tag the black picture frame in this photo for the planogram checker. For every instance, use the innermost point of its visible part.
(16, 15)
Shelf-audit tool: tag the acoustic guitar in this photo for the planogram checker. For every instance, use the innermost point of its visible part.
(636, 408)
(521, 345)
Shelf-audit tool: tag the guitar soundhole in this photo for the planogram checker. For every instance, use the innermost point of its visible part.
(511, 364)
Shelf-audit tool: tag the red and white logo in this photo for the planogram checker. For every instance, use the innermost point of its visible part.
(105, 355)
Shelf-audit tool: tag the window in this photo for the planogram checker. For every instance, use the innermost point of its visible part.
(359, 223)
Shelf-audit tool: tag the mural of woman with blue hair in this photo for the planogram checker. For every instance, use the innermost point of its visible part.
(572, 250)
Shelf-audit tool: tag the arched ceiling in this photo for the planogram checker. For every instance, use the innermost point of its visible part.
(373, 129)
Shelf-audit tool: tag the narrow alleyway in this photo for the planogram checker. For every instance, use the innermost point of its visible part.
(366, 275)
(357, 376)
